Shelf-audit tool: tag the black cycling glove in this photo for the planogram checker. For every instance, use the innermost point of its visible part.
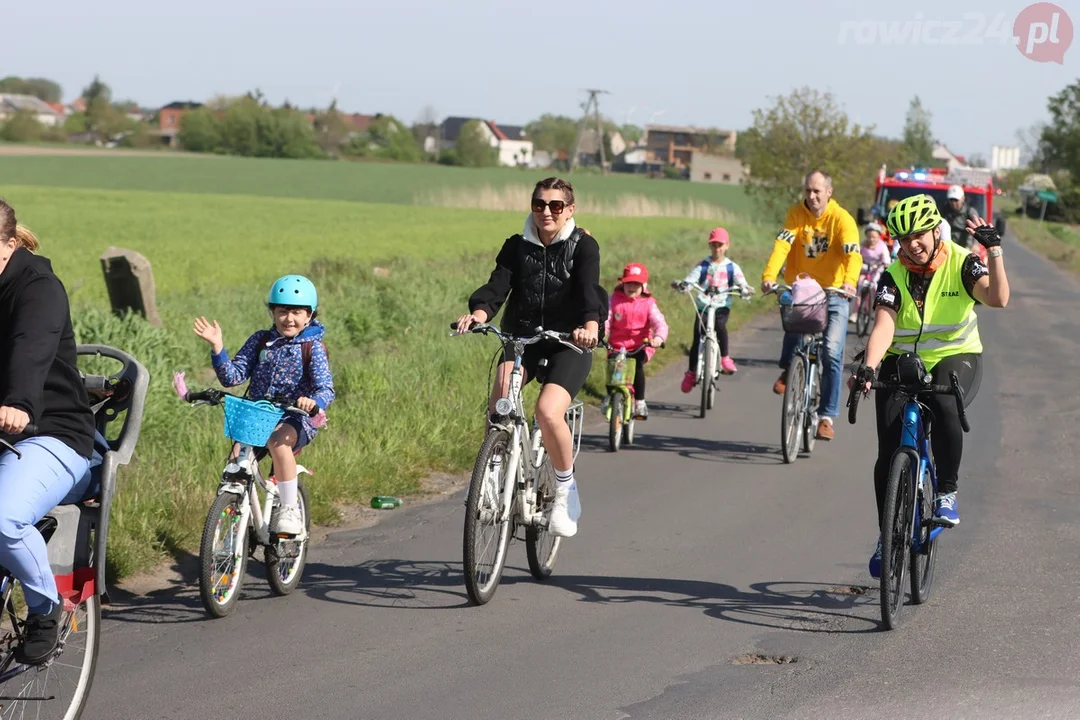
(864, 374)
(988, 236)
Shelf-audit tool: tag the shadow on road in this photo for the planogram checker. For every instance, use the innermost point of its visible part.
(405, 584)
(719, 451)
(800, 606)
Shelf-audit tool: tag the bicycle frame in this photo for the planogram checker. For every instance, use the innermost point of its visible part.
(252, 514)
(626, 387)
(707, 317)
(915, 441)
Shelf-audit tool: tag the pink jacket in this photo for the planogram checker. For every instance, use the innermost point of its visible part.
(631, 322)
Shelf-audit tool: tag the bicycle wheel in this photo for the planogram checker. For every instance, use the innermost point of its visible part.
(809, 432)
(708, 363)
(542, 547)
(922, 560)
(60, 687)
(486, 537)
(222, 557)
(896, 537)
(791, 416)
(714, 364)
(284, 559)
(615, 425)
(628, 431)
(864, 314)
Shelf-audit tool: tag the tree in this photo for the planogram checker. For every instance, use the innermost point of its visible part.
(803, 131)
(978, 160)
(21, 126)
(1059, 140)
(102, 118)
(42, 88)
(472, 148)
(200, 131)
(918, 138)
(553, 133)
(332, 130)
(631, 133)
(387, 138)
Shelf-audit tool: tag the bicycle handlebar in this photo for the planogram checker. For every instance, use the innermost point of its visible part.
(953, 388)
(710, 293)
(779, 286)
(30, 429)
(541, 335)
(210, 396)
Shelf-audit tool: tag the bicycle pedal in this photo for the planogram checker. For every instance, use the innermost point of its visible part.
(936, 522)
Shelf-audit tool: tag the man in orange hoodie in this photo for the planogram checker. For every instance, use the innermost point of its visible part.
(825, 241)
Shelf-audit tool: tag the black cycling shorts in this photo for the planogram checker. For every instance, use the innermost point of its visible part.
(565, 368)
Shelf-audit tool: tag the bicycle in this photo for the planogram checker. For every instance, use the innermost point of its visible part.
(620, 397)
(706, 371)
(513, 483)
(239, 520)
(76, 538)
(802, 394)
(864, 304)
(909, 530)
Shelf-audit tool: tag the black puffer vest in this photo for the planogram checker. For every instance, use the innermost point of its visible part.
(541, 295)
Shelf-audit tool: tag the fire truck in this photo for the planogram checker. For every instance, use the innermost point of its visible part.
(978, 187)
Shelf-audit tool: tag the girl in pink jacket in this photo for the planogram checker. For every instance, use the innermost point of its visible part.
(635, 322)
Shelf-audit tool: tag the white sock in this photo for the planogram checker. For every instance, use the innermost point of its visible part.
(288, 492)
(565, 478)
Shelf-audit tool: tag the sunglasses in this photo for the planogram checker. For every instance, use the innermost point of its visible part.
(557, 206)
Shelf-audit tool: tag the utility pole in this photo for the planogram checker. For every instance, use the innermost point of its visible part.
(591, 105)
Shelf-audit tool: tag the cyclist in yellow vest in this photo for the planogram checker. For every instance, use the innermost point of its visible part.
(925, 304)
(821, 239)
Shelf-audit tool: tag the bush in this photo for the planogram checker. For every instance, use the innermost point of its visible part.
(22, 127)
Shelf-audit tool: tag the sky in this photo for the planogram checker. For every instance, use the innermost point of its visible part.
(695, 62)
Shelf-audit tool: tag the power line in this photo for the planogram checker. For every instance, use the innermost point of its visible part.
(593, 104)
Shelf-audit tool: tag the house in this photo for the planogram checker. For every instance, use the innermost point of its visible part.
(947, 157)
(514, 148)
(169, 119)
(725, 169)
(41, 110)
(675, 144)
(78, 105)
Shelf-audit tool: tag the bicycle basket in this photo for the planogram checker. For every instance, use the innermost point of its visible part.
(623, 378)
(806, 318)
(250, 423)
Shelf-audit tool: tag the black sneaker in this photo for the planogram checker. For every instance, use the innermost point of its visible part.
(42, 637)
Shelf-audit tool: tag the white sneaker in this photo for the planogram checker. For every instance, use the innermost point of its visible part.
(640, 409)
(288, 521)
(565, 511)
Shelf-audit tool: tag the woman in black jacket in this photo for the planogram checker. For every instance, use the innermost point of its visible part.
(548, 276)
(40, 390)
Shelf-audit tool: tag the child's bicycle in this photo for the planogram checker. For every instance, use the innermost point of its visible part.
(908, 526)
(707, 370)
(864, 299)
(76, 537)
(239, 519)
(513, 483)
(798, 417)
(620, 397)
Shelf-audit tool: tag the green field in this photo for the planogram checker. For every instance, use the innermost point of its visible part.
(324, 179)
(410, 399)
(1058, 242)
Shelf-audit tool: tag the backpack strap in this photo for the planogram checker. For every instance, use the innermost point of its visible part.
(305, 353)
(730, 274)
(703, 268)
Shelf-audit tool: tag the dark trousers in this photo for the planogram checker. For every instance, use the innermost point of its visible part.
(721, 335)
(946, 435)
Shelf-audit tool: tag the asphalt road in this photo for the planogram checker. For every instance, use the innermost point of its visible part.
(695, 550)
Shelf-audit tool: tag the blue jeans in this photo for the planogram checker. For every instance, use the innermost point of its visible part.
(49, 474)
(833, 360)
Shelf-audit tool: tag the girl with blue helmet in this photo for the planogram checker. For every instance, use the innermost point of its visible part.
(288, 360)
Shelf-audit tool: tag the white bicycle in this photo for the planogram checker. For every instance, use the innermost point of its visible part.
(707, 370)
(239, 519)
(513, 483)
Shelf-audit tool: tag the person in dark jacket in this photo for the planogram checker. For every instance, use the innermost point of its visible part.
(548, 276)
(40, 391)
(957, 213)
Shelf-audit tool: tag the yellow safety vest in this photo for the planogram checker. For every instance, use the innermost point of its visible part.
(947, 325)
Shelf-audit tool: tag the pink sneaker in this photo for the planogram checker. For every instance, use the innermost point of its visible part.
(688, 381)
(727, 366)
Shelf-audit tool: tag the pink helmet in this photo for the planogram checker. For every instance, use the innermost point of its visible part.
(719, 236)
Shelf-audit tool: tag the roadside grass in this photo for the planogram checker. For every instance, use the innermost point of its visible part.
(410, 400)
(1057, 242)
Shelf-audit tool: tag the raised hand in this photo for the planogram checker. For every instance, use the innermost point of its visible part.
(211, 333)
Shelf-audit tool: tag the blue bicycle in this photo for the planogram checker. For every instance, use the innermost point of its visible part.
(908, 526)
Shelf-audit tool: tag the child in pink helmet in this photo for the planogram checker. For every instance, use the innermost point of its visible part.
(720, 272)
(635, 322)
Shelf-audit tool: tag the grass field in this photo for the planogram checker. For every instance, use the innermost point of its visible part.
(410, 400)
(323, 179)
(1058, 242)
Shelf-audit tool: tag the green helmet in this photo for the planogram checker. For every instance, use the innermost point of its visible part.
(913, 215)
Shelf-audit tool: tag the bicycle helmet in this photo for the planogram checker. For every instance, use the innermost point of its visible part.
(294, 291)
(913, 215)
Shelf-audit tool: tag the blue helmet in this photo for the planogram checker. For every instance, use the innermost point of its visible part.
(294, 291)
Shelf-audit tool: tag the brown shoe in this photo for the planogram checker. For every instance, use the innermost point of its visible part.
(825, 430)
(781, 384)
